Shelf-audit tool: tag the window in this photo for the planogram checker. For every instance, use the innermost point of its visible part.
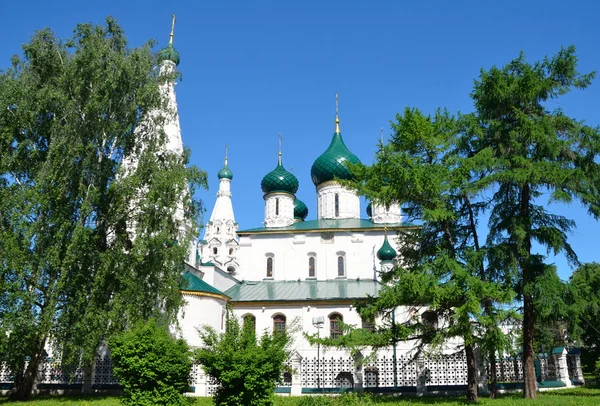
(430, 319)
(277, 206)
(337, 205)
(341, 266)
(278, 323)
(368, 324)
(215, 250)
(250, 322)
(311, 267)
(230, 251)
(335, 328)
(269, 267)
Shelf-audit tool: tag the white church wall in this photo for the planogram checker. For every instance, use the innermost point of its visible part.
(199, 311)
(291, 254)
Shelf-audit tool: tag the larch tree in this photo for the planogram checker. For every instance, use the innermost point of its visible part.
(441, 275)
(534, 156)
(78, 263)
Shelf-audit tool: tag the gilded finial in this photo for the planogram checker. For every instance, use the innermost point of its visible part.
(172, 29)
(280, 141)
(337, 118)
(385, 231)
(226, 154)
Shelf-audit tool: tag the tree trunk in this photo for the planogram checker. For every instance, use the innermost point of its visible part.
(25, 385)
(471, 374)
(530, 385)
(493, 374)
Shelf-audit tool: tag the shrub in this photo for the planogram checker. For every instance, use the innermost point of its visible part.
(246, 369)
(152, 367)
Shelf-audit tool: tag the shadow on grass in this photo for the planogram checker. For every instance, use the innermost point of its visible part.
(68, 399)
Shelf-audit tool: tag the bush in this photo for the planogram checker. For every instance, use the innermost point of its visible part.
(152, 367)
(246, 369)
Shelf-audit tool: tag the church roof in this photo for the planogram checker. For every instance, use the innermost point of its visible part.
(325, 225)
(307, 290)
(191, 283)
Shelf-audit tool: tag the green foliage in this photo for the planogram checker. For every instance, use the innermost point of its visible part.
(530, 152)
(585, 283)
(246, 369)
(71, 268)
(429, 167)
(152, 367)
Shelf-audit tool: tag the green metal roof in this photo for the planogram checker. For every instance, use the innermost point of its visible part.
(192, 283)
(324, 225)
(333, 162)
(279, 180)
(225, 173)
(169, 53)
(386, 252)
(300, 210)
(308, 290)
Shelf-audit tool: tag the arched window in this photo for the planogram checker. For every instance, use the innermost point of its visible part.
(278, 323)
(250, 322)
(269, 267)
(277, 206)
(430, 319)
(341, 266)
(337, 205)
(312, 267)
(230, 251)
(335, 328)
(215, 250)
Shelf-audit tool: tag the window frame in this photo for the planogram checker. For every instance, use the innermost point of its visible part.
(279, 323)
(335, 330)
(312, 267)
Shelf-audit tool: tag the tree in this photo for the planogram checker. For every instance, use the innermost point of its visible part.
(246, 369)
(152, 367)
(531, 151)
(427, 166)
(78, 262)
(585, 283)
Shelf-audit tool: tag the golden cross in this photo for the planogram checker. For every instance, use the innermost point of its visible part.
(172, 28)
(226, 153)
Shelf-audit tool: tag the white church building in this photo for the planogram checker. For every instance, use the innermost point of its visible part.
(308, 274)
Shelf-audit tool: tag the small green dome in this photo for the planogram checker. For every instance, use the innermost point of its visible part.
(168, 53)
(279, 180)
(332, 163)
(386, 252)
(225, 173)
(300, 210)
(370, 210)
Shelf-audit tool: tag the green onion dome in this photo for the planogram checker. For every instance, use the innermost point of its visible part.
(279, 180)
(333, 162)
(370, 210)
(300, 210)
(225, 173)
(386, 252)
(168, 53)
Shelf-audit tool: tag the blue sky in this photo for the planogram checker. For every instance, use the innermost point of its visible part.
(252, 69)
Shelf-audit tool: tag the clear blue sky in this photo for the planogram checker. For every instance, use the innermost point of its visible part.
(252, 69)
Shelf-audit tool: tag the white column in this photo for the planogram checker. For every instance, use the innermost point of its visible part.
(348, 202)
(279, 209)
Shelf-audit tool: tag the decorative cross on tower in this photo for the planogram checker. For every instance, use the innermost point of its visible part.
(172, 29)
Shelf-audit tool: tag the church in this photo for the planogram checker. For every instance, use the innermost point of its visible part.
(305, 274)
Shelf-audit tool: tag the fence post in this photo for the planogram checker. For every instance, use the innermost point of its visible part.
(422, 373)
(481, 373)
(562, 369)
(575, 353)
(358, 372)
(296, 360)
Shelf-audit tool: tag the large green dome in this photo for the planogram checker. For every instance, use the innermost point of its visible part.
(279, 180)
(168, 53)
(386, 252)
(225, 173)
(300, 210)
(333, 162)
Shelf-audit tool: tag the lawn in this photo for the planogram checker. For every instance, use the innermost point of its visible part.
(575, 397)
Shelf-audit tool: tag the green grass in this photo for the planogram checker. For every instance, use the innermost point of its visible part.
(567, 397)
